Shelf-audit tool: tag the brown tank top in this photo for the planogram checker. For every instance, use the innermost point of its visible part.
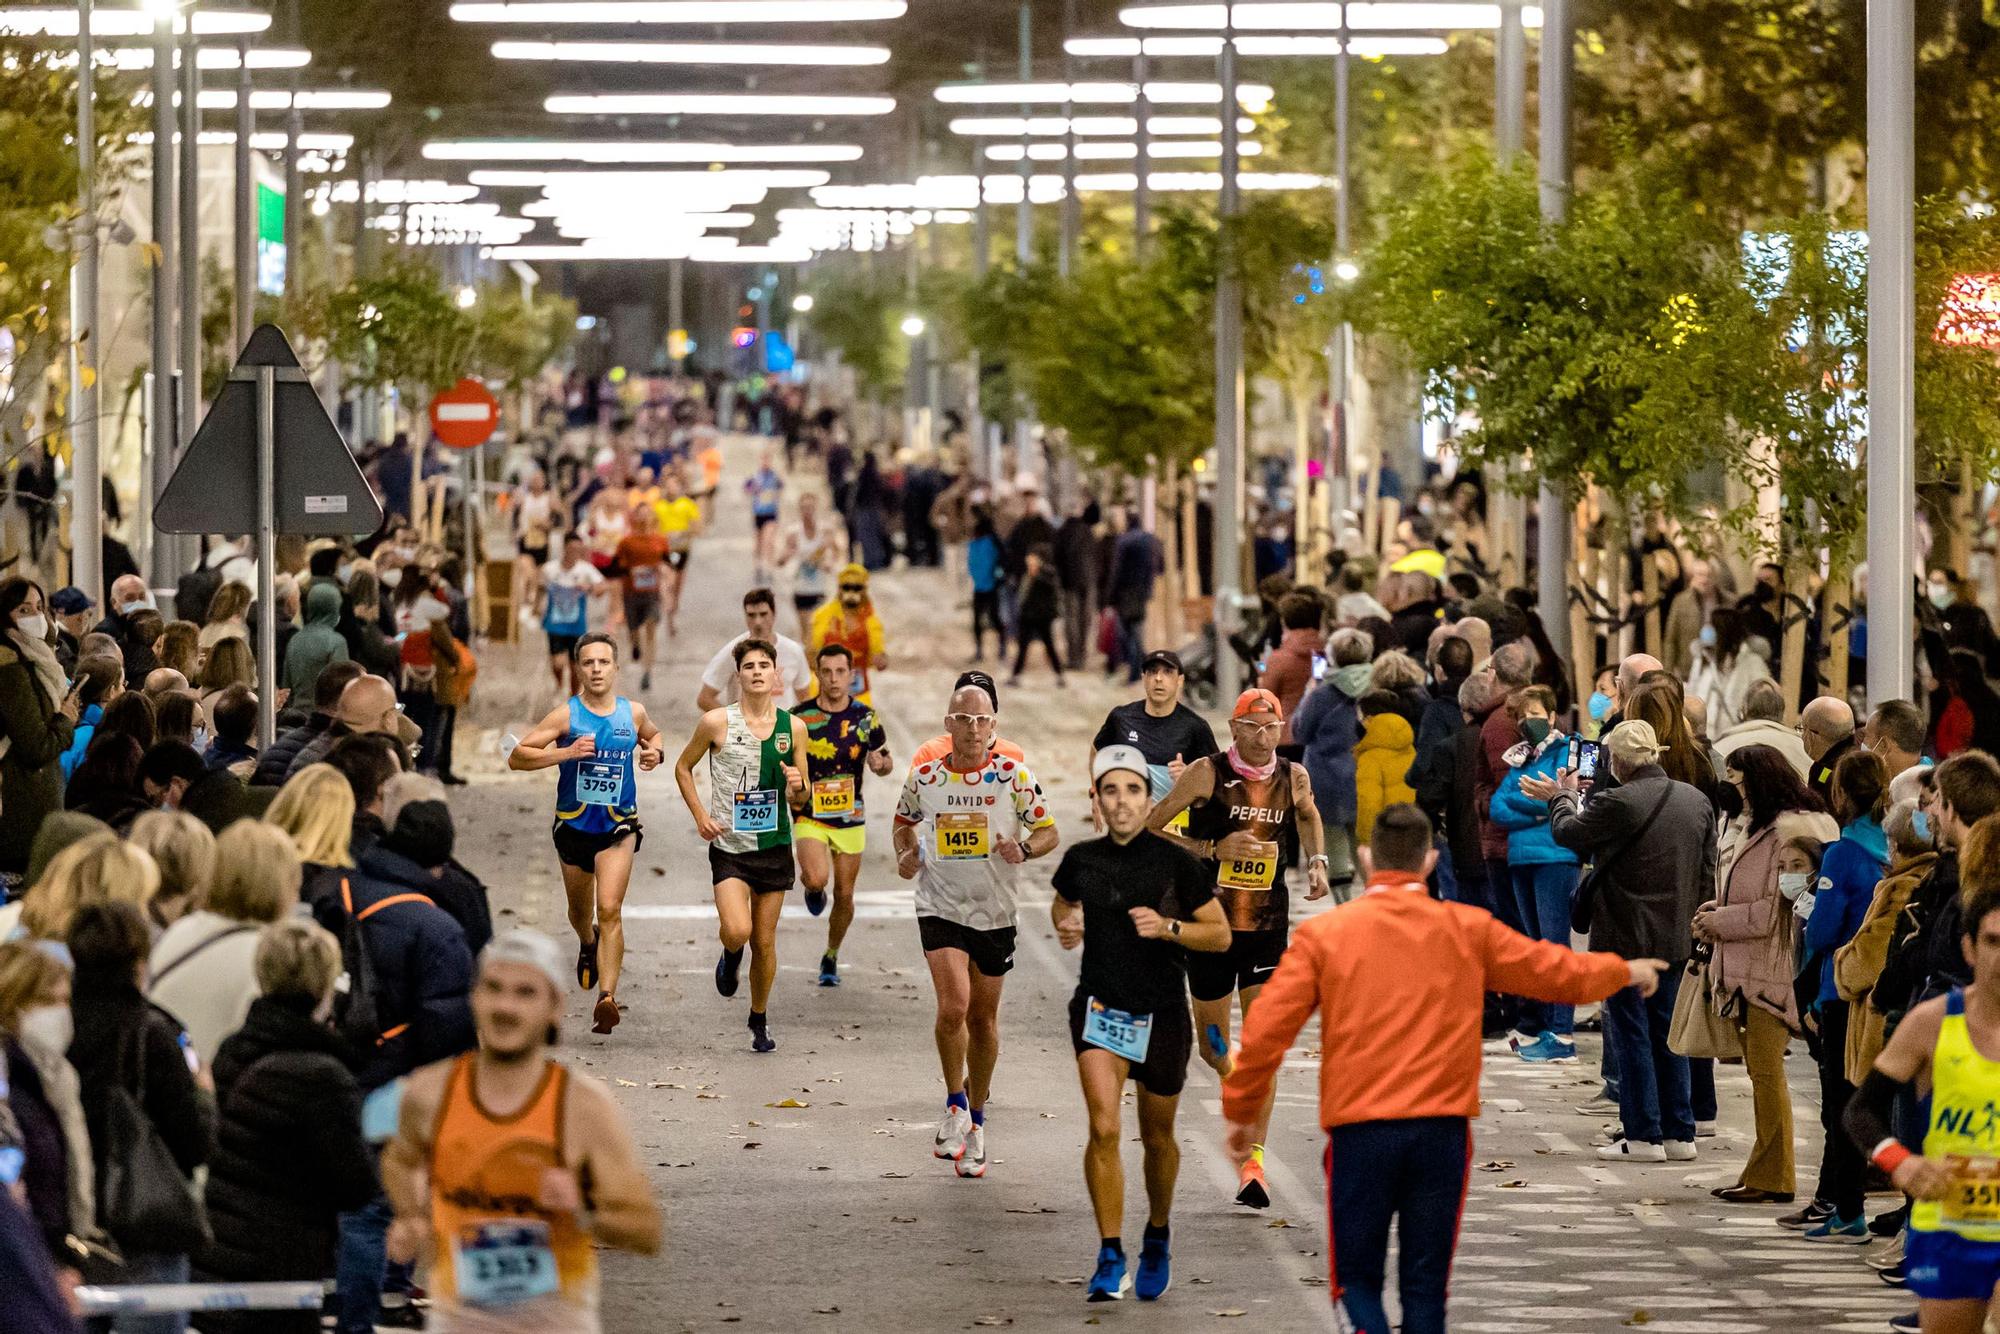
(1252, 889)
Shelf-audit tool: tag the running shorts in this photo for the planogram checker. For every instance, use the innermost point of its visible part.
(641, 608)
(1945, 1267)
(991, 952)
(677, 560)
(768, 871)
(562, 646)
(1164, 1071)
(576, 848)
(808, 601)
(849, 839)
(539, 555)
(764, 521)
(1249, 961)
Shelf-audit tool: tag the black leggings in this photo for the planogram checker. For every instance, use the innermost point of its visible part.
(1842, 1174)
(986, 612)
(1027, 635)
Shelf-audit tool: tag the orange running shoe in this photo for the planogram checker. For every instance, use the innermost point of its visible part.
(1250, 1190)
(604, 1016)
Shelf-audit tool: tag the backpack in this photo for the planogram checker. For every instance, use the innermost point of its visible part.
(360, 1013)
(194, 591)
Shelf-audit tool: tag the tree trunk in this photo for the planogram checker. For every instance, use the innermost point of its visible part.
(1839, 593)
(1582, 635)
(1792, 670)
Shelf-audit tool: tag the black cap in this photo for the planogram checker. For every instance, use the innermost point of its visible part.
(69, 601)
(980, 679)
(1160, 657)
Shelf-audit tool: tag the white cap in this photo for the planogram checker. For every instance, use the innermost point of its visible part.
(532, 948)
(1112, 758)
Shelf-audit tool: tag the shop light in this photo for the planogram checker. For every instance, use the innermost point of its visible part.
(1408, 44)
(1110, 127)
(1088, 94)
(207, 57)
(106, 21)
(1103, 152)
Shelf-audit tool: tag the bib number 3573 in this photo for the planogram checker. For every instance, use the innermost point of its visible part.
(1117, 1031)
(499, 1264)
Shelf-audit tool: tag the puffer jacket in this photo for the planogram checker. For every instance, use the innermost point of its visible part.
(1382, 760)
(1531, 841)
(1759, 950)
(423, 967)
(1327, 724)
(1858, 964)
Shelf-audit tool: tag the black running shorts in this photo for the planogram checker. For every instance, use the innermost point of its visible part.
(991, 952)
(1249, 961)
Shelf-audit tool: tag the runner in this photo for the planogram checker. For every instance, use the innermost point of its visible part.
(764, 488)
(707, 444)
(851, 622)
(760, 621)
(843, 737)
(535, 517)
(508, 1171)
(812, 545)
(960, 843)
(753, 749)
(1399, 979)
(1952, 1257)
(642, 556)
(1134, 902)
(1166, 731)
(1250, 814)
(680, 523)
(568, 586)
(596, 737)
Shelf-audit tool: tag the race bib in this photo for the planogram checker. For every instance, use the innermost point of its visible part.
(1253, 872)
(499, 1264)
(599, 782)
(565, 604)
(833, 796)
(645, 578)
(1116, 1031)
(756, 812)
(962, 837)
(1973, 1196)
(1179, 823)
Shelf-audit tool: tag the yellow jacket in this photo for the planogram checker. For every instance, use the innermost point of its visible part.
(1382, 758)
(830, 626)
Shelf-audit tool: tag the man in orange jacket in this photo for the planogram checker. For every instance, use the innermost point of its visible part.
(1399, 979)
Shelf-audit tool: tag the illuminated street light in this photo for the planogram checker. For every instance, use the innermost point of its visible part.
(1254, 96)
(467, 298)
(803, 302)
(1321, 16)
(1393, 44)
(613, 151)
(46, 21)
(913, 326)
(1347, 270)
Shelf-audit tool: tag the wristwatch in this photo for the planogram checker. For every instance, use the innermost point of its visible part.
(1174, 927)
(1319, 859)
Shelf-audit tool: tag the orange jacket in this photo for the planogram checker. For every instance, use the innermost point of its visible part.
(1398, 979)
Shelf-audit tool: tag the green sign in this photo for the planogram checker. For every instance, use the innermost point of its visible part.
(270, 240)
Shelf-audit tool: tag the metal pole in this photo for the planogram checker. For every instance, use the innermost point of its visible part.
(246, 203)
(267, 554)
(1072, 213)
(1229, 405)
(1338, 353)
(475, 471)
(294, 199)
(161, 426)
(190, 252)
(1024, 216)
(1892, 465)
(980, 459)
(1510, 82)
(86, 487)
(1553, 544)
(1142, 158)
(677, 305)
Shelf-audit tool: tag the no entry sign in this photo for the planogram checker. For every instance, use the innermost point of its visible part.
(465, 415)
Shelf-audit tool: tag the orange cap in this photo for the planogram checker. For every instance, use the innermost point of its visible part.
(1256, 700)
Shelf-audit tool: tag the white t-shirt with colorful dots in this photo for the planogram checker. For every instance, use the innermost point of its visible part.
(958, 817)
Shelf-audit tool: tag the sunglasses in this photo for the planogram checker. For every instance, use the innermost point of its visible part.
(854, 588)
(970, 719)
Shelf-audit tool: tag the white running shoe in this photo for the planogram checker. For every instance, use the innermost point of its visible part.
(972, 1157)
(1680, 1150)
(951, 1132)
(1626, 1151)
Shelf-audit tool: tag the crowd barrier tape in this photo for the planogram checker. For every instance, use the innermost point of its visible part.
(181, 1298)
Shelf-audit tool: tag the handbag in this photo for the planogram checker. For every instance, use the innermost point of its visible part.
(144, 1201)
(1583, 899)
(1697, 1028)
(1107, 631)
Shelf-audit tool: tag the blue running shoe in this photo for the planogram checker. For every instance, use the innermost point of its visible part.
(1854, 1231)
(1548, 1049)
(1156, 1270)
(1111, 1281)
(815, 901)
(829, 971)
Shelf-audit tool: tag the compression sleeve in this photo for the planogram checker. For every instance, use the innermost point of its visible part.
(1867, 1118)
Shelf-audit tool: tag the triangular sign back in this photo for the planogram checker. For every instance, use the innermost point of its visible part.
(320, 489)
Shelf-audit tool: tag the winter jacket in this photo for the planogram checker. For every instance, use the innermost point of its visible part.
(204, 974)
(318, 748)
(276, 759)
(318, 644)
(1761, 732)
(1497, 734)
(46, 1176)
(1430, 772)
(1381, 760)
(1327, 725)
(79, 742)
(423, 968)
(28, 1291)
(1848, 874)
(289, 1154)
(1530, 841)
(31, 780)
(1758, 952)
(1685, 617)
(982, 563)
(138, 657)
(1040, 604)
(1648, 890)
(1288, 672)
(1906, 962)
(1820, 777)
(219, 798)
(1857, 965)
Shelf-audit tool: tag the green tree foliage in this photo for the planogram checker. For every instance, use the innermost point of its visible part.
(403, 327)
(857, 311)
(521, 334)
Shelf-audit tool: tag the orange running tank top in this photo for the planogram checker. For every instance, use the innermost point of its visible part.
(503, 1262)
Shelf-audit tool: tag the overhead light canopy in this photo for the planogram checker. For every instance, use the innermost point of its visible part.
(280, 99)
(270, 141)
(207, 57)
(1407, 44)
(397, 191)
(694, 53)
(612, 151)
(1116, 152)
(701, 249)
(1255, 96)
(616, 183)
(109, 21)
(1321, 16)
(963, 192)
(558, 12)
(715, 104)
(1045, 127)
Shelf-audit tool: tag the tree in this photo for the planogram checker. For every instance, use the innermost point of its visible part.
(857, 311)
(520, 334)
(403, 328)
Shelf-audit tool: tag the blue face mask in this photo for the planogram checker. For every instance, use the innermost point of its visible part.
(1920, 824)
(1708, 636)
(1599, 706)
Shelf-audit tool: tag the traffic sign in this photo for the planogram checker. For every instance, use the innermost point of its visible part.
(319, 489)
(465, 415)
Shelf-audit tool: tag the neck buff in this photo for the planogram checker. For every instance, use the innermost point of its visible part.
(1249, 770)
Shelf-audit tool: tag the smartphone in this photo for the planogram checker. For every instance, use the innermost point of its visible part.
(1320, 665)
(1586, 762)
(189, 1054)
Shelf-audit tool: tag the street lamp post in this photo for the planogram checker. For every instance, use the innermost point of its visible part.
(1229, 405)
(86, 467)
(1552, 548)
(162, 428)
(1892, 465)
(1340, 351)
(246, 202)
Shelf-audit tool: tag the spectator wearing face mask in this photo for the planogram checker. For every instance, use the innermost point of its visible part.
(38, 715)
(129, 598)
(167, 771)
(44, 1096)
(1857, 965)
(1541, 873)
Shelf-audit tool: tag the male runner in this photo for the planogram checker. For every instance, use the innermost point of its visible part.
(1399, 979)
(843, 738)
(850, 621)
(760, 622)
(680, 524)
(1166, 731)
(1250, 813)
(1134, 902)
(508, 1171)
(754, 750)
(765, 488)
(964, 823)
(812, 546)
(568, 586)
(597, 737)
(1951, 1042)
(642, 555)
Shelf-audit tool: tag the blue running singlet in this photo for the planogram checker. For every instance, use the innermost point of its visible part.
(598, 795)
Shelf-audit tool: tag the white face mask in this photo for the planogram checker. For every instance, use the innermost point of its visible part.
(200, 739)
(1940, 596)
(133, 608)
(48, 1027)
(1791, 884)
(390, 578)
(429, 609)
(34, 627)
(343, 572)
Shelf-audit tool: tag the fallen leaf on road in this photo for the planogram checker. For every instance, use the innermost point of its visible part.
(753, 1144)
(1068, 1282)
(1192, 1280)
(895, 1176)
(1313, 1280)
(1230, 1313)
(1640, 1317)
(1544, 1150)
(1048, 1116)
(826, 1310)
(788, 1102)
(1497, 1165)
(897, 1218)
(1652, 1201)
(755, 1125)
(1038, 1209)
(708, 1095)
(994, 1320)
(1281, 1222)
(1516, 1184)
(662, 1084)
(626, 1083)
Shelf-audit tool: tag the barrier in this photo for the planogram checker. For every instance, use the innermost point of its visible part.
(181, 1298)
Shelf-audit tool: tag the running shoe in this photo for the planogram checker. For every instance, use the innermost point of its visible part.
(951, 1132)
(1156, 1270)
(1250, 1188)
(586, 964)
(1512, 1041)
(1890, 1224)
(1603, 1107)
(1912, 1323)
(972, 1162)
(726, 969)
(604, 1015)
(815, 901)
(1111, 1281)
(1812, 1214)
(761, 1039)
(1853, 1231)
(829, 971)
(1548, 1049)
(1625, 1151)
(1680, 1150)
(1887, 1258)
(1896, 1276)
